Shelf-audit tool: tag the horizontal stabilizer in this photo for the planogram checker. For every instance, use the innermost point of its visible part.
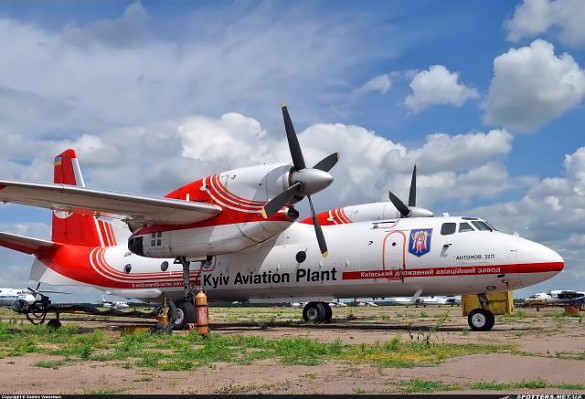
(130, 208)
(28, 245)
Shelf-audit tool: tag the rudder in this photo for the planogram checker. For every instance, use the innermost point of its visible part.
(74, 228)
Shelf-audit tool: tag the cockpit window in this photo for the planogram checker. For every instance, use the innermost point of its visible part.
(465, 227)
(448, 228)
(481, 226)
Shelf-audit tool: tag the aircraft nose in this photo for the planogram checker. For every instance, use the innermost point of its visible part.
(542, 258)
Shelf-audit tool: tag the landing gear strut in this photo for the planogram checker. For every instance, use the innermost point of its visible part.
(185, 309)
(317, 312)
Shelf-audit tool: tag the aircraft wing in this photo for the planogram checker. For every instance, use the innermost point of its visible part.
(130, 208)
(24, 244)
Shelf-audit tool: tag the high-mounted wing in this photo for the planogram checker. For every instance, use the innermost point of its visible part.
(133, 209)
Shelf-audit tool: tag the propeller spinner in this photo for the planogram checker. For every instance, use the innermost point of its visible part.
(410, 210)
(304, 181)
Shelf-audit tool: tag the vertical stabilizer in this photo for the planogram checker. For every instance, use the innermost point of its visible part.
(73, 228)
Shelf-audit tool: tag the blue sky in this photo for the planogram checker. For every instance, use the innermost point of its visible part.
(486, 98)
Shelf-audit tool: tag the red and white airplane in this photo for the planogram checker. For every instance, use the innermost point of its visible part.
(238, 230)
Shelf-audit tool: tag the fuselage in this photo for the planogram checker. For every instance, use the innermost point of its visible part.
(398, 257)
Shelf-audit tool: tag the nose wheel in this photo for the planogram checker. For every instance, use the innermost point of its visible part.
(481, 320)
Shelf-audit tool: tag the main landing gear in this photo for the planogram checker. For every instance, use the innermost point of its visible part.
(317, 312)
(184, 312)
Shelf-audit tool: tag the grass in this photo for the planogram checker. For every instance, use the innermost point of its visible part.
(524, 384)
(424, 386)
(429, 386)
(178, 352)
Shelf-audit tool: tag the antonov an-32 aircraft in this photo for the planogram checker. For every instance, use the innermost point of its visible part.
(234, 235)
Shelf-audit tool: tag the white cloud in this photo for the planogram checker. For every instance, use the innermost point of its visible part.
(380, 83)
(443, 152)
(536, 17)
(531, 86)
(437, 86)
(119, 72)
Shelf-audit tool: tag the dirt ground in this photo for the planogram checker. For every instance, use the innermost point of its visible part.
(548, 348)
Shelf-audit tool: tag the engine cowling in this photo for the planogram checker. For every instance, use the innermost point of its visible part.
(241, 193)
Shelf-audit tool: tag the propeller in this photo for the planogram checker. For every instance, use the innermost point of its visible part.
(410, 210)
(304, 181)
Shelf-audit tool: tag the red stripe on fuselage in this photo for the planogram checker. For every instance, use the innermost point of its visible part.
(455, 271)
(77, 263)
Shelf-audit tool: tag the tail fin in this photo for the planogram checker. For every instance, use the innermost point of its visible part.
(73, 228)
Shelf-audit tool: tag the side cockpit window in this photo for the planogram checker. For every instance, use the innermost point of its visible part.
(448, 228)
(481, 226)
(465, 227)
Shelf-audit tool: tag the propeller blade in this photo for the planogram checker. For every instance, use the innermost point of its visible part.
(328, 162)
(293, 142)
(403, 209)
(412, 194)
(280, 200)
(318, 230)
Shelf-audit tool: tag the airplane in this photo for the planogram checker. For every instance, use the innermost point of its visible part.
(427, 300)
(10, 295)
(114, 304)
(238, 229)
(366, 303)
(557, 298)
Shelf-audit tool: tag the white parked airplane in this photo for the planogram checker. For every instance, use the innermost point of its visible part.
(557, 297)
(114, 304)
(427, 300)
(237, 229)
(10, 295)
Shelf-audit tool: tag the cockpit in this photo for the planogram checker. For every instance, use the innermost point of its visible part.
(466, 225)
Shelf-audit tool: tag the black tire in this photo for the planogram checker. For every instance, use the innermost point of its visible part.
(53, 324)
(481, 320)
(185, 315)
(314, 312)
(328, 312)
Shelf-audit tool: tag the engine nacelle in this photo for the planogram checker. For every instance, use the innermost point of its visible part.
(366, 213)
(241, 193)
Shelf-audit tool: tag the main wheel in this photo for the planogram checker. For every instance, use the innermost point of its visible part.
(54, 324)
(481, 320)
(328, 312)
(185, 315)
(314, 312)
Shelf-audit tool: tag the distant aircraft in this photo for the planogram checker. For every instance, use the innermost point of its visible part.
(114, 304)
(10, 295)
(557, 298)
(359, 302)
(427, 300)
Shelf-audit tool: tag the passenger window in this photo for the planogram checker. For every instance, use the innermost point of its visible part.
(465, 227)
(448, 228)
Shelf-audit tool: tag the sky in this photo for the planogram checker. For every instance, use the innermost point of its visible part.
(485, 97)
